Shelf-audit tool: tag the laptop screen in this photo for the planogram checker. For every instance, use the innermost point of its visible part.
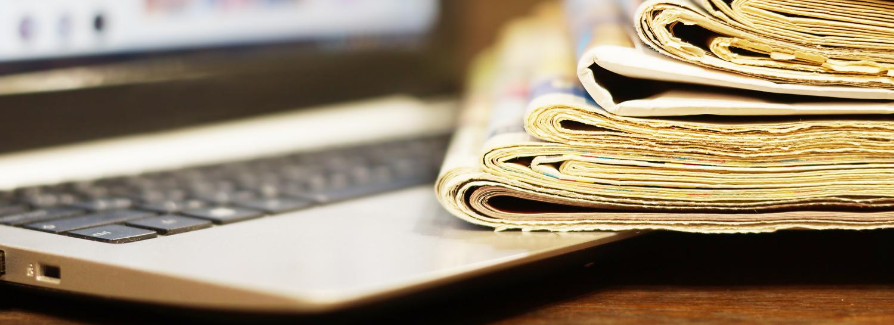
(80, 70)
(47, 30)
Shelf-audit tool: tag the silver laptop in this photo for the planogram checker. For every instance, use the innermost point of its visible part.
(166, 171)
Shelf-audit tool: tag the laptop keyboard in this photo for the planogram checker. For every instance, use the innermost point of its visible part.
(140, 207)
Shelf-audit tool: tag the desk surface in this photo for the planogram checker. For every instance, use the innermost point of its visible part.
(794, 277)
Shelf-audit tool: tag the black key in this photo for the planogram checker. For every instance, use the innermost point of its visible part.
(77, 186)
(172, 206)
(114, 234)
(6, 209)
(339, 180)
(225, 197)
(6, 196)
(156, 195)
(360, 175)
(93, 192)
(171, 224)
(350, 192)
(305, 194)
(317, 183)
(364, 190)
(407, 168)
(224, 215)
(103, 204)
(139, 182)
(29, 191)
(44, 200)
(276, 205)
(262, 188)
(212, 186)
(268, 190)
(90, 220)
(300, 172)
(39, 215)
(165, 181)
(380, 173)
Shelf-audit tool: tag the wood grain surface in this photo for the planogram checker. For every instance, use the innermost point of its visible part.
(793, 277)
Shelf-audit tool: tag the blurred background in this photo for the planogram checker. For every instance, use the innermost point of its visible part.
(77, 70)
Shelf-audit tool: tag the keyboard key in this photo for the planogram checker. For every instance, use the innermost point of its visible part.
(161, 181)
(316, 183)
(158, 195)
(114, 234)
(225, 197)
(350, 192)
(267, 190)
(339, 180)
(7, 209)
(211, 186)
(94, 192)
(300, 172)
(90, 220)
(6, 196)
(171, 224)
(30, 191)
(103, 204)
(335, 195)
(172, 206)
(44, 200)
(39, 215)
(276, 205)
(224, 215)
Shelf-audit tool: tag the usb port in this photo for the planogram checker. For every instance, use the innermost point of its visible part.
(2, 262)
(49, 273)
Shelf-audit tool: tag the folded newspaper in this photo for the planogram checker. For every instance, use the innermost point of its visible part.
(742, 50)
(534, 152)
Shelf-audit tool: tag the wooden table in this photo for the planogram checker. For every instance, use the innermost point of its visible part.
(794, 277)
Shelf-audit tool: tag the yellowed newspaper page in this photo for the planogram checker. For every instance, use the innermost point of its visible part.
(497, 175)
(685, 42)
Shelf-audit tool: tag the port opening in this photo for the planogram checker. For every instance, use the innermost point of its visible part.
(50, 273)
(2, 262)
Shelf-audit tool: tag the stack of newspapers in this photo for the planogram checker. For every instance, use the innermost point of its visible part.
(702, 116)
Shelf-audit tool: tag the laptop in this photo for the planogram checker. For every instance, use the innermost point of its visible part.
(247, 156)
